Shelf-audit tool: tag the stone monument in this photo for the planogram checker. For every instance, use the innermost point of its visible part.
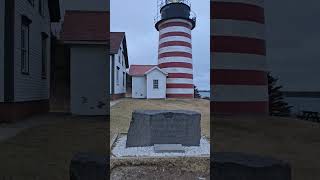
(154, 127)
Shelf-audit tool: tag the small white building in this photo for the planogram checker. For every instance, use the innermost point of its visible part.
(148, 81)
(84, 40)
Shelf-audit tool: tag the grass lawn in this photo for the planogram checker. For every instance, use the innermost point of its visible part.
(121, 113)
(45, 152)
(295, 141)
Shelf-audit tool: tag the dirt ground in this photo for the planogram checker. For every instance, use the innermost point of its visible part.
(156, 173)
(45, 151)
(121, 113)
(295, 141)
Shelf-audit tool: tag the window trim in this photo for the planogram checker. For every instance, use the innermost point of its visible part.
(155, 84)
(25, 23)
(44, 55)
(118, 76)
(41, 7)
(124, 76)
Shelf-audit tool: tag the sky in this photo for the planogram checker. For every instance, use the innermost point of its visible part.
(293, 49)
(142, 37)
(292, 38)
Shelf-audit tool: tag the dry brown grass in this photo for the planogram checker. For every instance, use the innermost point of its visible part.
(45, 152)
(121, 113)
(295, 141)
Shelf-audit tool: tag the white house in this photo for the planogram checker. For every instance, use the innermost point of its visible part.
(25, 53)
(118, 65)
(148, 81)
(84, 40)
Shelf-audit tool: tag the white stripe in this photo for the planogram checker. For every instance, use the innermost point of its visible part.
(252, 2)
(178, 70)
(175, 38)
(238, 61)
(179, 90)
(179, 81)
(175, 49)
(176, 20)
(239, 93)
(175, 29)
(174, 59)
(226, 27)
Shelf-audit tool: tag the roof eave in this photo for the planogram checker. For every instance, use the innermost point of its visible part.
(156, 67)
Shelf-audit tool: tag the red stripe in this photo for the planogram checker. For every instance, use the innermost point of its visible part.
(179, 95)
(238, 77)
(175, 43)
(237, 11)
(175, 64)
(175, 54)
(239, 107)
(169, 24)
(180, 75)
(238, 45)
(188, 86)
(168, 34)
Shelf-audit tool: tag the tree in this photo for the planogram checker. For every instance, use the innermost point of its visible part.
(196, 92)
(277, 105)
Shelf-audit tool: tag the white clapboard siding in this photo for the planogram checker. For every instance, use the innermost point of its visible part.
(31, 87)
(120, 88)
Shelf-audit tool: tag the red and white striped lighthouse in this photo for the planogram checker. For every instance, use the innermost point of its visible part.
(175, 24)
(238, 73)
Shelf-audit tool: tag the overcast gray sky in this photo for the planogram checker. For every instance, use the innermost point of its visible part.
(293, 49)
(135, 18)
(292, 29)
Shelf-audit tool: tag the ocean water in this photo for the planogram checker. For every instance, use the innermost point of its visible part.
(299, 103)
(303, 104)
(204, 94)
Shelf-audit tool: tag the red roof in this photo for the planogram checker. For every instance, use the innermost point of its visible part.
(115, 41)
(139, 70)
(85, 26)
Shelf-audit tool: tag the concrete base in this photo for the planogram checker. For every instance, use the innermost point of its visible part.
(165, 148)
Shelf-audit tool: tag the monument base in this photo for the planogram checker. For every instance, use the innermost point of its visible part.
(119, 150)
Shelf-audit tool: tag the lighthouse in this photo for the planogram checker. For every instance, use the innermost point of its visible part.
(175, 21)
(238, 51)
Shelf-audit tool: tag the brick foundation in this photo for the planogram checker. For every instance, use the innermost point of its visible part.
(15, 111)
(117, 96)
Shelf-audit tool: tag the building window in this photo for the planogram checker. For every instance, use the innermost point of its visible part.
(25, 45)
(124, 79)
(117, 75)
(123, 59)
(44, 55)
(155, 84)
(41, 7)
